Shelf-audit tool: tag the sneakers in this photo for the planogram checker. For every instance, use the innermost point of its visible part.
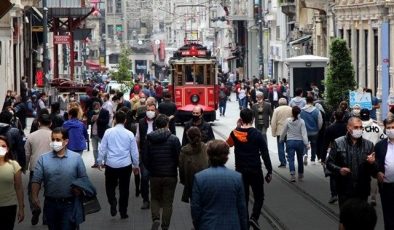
(145, 205)
(333, 199)
(306, 160)
(292, 178)
(36, 216)
(155, 225)
(254, 223)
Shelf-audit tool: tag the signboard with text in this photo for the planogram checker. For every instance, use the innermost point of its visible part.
(364, 100)
(61, 39)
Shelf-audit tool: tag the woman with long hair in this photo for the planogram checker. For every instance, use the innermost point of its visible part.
(296, 139)
(11, 190)
(192, 159)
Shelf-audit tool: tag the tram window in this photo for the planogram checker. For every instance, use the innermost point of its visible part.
(209, 75)
(178, 76)
(189, 73)
(199, 73)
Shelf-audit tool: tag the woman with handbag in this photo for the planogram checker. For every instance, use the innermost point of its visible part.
(296, 139)
(11, 191)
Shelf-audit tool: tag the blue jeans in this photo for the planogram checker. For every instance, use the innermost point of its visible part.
(242, 103)
(95, 142)
(295, 147)
(59, 214)
(281, 151)
(222, 106)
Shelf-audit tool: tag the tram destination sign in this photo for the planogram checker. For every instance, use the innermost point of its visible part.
(61, 39)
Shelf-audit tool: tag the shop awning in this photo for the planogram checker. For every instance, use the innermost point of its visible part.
(300, 40)
(92, 65)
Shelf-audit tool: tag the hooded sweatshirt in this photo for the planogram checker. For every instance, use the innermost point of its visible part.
(249, 146)
(372, 131)
(77, 135)
(297, 101)
(162, 153)
(313, 119)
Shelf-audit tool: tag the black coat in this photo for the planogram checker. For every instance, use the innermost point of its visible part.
(102, 121)
(332, 132)
(161, 153)
(380, 154)
(357, 183)
(205, 129)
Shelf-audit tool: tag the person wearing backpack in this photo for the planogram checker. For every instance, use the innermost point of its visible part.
(313, 122)
(14, 137)
(222, 99)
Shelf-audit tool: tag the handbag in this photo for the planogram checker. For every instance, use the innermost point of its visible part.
(90, 205)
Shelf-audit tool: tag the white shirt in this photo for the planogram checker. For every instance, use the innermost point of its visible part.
(118, 148)
(389, 164)
(275, 96)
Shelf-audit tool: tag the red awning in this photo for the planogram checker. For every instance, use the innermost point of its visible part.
(92, 65)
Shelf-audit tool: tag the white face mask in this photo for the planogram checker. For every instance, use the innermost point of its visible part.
(357, 133)
(3, 151)
(56, 145)
(150, 114)
(390, 133)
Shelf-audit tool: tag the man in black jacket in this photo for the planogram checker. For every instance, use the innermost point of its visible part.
(98, 118)
(352, 162)
(385, 160)
(335, 130)
(198, 121)
(168, 108)
(249, 146)
(161, 159)
(146, 125)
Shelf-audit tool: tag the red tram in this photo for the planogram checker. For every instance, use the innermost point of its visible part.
(194, 81)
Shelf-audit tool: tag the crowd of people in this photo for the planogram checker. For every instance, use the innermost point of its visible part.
(137, 137)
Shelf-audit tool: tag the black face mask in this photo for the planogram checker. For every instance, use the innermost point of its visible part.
(196, 118)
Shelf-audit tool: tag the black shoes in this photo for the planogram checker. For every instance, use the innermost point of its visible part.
(333, 199)
(113, 208)
(254, 224)
(36, 217)
(124, 216)
(282, 166)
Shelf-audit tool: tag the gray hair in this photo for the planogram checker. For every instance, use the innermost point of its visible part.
(259, 94)
(282, 101)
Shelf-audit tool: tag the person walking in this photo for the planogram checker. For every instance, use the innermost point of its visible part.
(57, 170)
(274, 96)
(215, 188)
(119, 153)
(98, 118)
(37, 143)
(193, 158)
(161, 159)
(146, 125)
(249, 146)
(296, 140)
(278, 121)
(222, 99)
(11, 189)
(352, 162)
(313, 122)
(298, 100)
(374, 133)
(332, 132)
(77, 132)
(384, 150)
(168, 108)
(242, 96)
(199, 122)
(262, 111)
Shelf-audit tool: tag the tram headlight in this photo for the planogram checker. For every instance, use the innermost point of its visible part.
(195, 98)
